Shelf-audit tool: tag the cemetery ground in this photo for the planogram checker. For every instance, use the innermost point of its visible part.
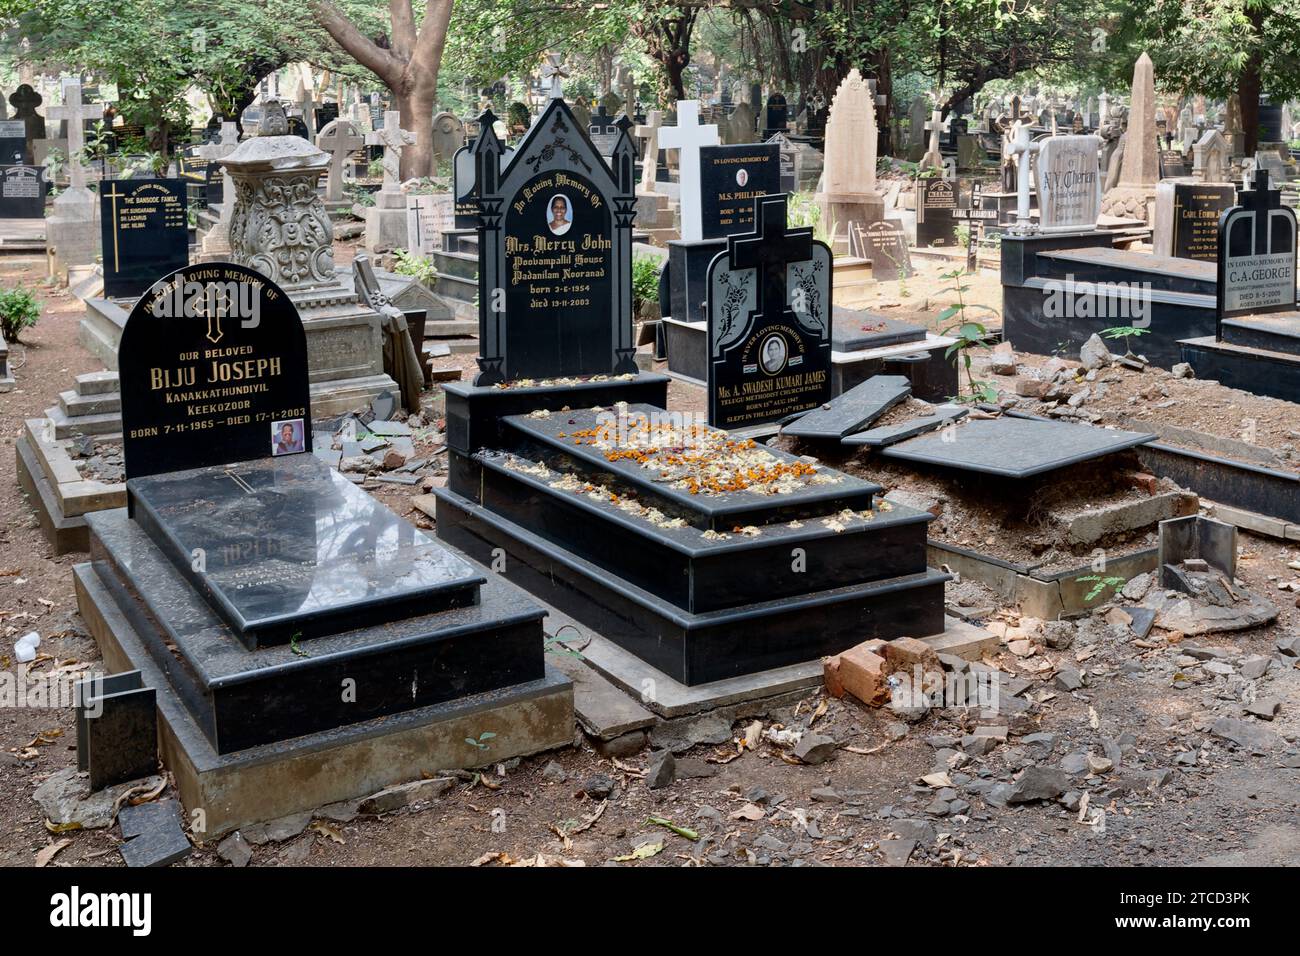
(1151, 729)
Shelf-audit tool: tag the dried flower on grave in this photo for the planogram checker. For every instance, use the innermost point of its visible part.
(539, 413)
(712, 535)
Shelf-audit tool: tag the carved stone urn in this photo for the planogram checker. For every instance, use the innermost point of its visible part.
(279, 225)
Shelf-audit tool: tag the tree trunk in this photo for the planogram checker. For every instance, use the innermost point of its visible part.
(1248, 88)
(675, 63)
(408, 67)
(416, 107)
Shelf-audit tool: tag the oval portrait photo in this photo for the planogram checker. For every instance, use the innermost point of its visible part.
(773, 354)
(561, 215)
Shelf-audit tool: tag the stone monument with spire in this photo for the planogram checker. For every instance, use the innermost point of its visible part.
(1133, 197)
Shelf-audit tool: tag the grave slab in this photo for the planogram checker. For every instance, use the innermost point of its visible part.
(1014, 447)
(293, 548)
(892, 434)
(856, 329)
(850, 411)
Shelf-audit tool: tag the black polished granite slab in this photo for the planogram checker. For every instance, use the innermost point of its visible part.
(892, 434)
(1273, 332)
(244, 698)
(853, 330)
(718, 511)
(1014, 447)
(850, 411)
(474, 412)
(696, 570)
(695, 648)
(288, 549)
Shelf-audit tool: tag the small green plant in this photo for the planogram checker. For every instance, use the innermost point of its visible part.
(645, 281)
(1125, 333)
(412, 264)
(969, 336)
(99, 141)
(1100, 584)
(19, 311)
(481, 742)
(293, 645)
(375, 168)
(359, 195)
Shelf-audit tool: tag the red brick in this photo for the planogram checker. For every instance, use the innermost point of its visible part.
(863, 674)
(904, 653)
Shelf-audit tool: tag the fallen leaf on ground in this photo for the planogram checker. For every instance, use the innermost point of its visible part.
(750, 811)
(642, 852)
(51, 851)
(326, 830)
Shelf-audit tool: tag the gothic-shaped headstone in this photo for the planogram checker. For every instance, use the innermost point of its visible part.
(769, 308)
(1257, 253)
(555, 252)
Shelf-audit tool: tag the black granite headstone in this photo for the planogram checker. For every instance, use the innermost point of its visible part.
(191, 166)
(769, 310)
(214, 186)
(22, 192)
(326, 113)
(144, 228)
(935, 201)
(1257, 253)
(213, 370)
(884, 243)
(13, 142)
(555, 252)
(1194, 221)
(1172, 163)
(777, 116)
(731, 179)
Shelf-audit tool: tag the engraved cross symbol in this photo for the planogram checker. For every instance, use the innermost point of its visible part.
(770, 249)
(113, 196)
(214, 309)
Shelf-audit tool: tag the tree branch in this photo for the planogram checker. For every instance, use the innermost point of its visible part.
(383, 63)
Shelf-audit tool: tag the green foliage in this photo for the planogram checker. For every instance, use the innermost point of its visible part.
(412, 264)
(969, 335)
(1100, 585)
(645, 280)
(19, 310)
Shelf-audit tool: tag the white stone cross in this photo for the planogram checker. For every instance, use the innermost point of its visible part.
(340, 139)
(393, 138)
(688, 136)
(649, 131)
(1019, 144)
(935, 126)
(76, 113)
(554, 72)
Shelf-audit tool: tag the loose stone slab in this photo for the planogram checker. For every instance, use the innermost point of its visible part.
(291, 547)
(851, 410)
(853, 330)
(153, 834)
(891, 434)
(1015, 447)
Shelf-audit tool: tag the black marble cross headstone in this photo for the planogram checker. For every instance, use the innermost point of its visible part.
(769, 322)
(768, 251)
(1257, 253)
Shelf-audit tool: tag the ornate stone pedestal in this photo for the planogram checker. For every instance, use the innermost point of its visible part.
(279, 227)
